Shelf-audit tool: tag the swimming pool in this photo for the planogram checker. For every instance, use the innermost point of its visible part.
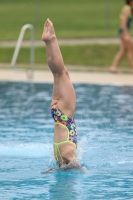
(104, 118)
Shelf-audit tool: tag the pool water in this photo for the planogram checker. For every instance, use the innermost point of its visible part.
(104, 118)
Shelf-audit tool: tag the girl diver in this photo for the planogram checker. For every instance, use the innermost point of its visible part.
(63, 103)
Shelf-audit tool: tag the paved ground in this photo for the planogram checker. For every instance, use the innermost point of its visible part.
(76, 77)
(64, 42)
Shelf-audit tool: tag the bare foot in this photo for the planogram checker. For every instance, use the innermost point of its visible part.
(48, 31)
(113, 70)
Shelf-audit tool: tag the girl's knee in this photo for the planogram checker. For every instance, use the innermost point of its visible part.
(64, 72)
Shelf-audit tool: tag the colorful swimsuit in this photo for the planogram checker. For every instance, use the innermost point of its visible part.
(68, 123)
(128, 24)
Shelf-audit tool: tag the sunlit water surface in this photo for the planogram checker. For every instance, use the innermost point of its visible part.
(104, 118)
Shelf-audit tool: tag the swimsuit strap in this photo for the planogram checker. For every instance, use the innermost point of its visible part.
(56, 144)
(67, 140)
(57, 151)
(125, 7)
(64, 127)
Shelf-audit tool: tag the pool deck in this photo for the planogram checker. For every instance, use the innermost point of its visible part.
(76, 77)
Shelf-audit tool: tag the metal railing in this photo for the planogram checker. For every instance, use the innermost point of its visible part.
(29, 72)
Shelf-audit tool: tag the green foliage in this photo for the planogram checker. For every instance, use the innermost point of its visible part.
(71, 18)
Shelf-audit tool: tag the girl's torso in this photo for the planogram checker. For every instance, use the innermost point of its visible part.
(129, 20)
(64, 124)
(65, 133)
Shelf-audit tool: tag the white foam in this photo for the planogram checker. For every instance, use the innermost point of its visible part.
(125, 162)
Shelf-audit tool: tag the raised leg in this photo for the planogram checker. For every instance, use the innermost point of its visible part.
(63, 89)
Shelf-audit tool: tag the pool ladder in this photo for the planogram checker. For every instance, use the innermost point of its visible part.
(29, 72)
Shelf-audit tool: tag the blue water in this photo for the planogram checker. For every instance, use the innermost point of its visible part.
(104, 118)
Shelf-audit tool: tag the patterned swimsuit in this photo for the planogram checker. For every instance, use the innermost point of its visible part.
(68, 123)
